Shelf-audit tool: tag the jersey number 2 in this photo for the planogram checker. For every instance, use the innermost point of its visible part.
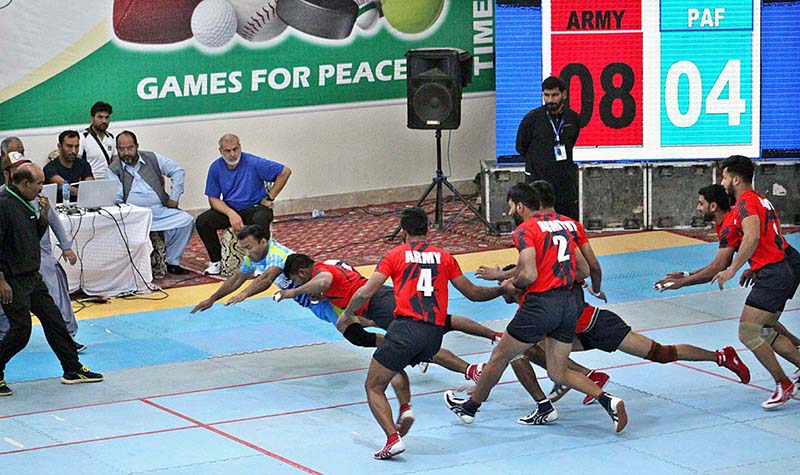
(561, 242)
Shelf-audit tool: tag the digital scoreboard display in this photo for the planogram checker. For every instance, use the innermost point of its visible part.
(669, 80)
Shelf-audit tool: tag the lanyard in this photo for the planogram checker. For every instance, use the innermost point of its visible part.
(28, 205)
(553, 125)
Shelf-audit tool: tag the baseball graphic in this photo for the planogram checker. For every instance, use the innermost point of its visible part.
(368, 13)
(214, 23)
(258, 19)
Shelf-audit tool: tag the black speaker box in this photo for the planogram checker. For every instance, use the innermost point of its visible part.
(436, 77)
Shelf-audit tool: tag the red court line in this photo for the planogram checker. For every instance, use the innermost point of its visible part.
(234, 438)
(678, 363)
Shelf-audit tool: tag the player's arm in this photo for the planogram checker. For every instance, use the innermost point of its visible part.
(750, 237)
(526, 269)
(476, 293)
(318, 284)
(362, 295)
(258, 285)
(582, 269)
(722, 259)
(494, 273)
(231, 283)
(595, 271)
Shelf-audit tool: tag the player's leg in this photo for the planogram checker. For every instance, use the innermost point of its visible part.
(378, 378)
(448, 360)
(544, 412)
(402, 389)
(783, 331)
(471, 327)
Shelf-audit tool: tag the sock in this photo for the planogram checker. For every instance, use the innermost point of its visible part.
(393, 438)
(404, 407)
(544, 405)
(604, 401)
(471, 406)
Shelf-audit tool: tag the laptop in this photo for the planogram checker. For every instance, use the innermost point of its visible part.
(50, 192)
(94, 194)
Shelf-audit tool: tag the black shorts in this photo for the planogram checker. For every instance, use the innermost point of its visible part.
(793, 259)
(381, 307)
(606, 333)
(772, 287)
(550, 313)
(577, 294)
(408, 342)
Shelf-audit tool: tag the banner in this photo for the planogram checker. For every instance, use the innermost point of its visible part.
(181, 59)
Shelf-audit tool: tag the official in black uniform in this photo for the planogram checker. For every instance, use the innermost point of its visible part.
(21, 287)
(546, 137)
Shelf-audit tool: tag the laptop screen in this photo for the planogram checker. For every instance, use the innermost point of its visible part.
(49, 191)
(97, 193)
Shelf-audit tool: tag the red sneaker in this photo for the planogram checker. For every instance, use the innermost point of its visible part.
(728, 358)
(390, 449)
(404, 421)
(474, 372)
(600, 379)
(783, 392)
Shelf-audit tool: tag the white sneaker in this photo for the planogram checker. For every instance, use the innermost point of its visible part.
(214, 268)
(536, 418)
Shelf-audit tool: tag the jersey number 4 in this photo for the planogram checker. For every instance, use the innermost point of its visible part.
(425, 282)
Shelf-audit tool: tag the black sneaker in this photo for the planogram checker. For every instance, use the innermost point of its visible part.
(4, 389)
(82, 375)
(456, 406)
(537, 417)
(616, 409)
(79, 347)
(176, 270)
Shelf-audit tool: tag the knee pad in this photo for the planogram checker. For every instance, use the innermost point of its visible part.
(662, 354)
(769, 334)
(750, 334)
(356, 335)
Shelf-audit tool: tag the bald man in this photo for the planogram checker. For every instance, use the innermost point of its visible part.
(236, 187)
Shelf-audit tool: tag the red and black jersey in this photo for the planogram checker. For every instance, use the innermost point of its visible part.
(420, 274)
(771, 244)
(553, 237)
(587, 318)
(346, 281)
(727, 233)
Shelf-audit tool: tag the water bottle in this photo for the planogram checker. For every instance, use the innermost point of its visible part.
(65, 192)
(317, 213)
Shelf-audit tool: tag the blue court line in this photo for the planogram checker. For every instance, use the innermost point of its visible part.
(173, 335)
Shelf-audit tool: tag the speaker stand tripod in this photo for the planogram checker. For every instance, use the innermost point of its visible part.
(438, 181)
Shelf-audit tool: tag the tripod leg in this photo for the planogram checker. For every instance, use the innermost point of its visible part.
(419, 203)
(492, 229)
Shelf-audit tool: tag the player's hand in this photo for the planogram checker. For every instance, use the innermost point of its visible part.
(677, 275)
(171, 204)
(599, 294)
(288, 294)
(6, 294)
(202, 306)
(240, 297)
(44, 204)
(70, 256)
(489, 273)
(723, 277)
(748, 278)
(236, 221)
(267, 203)
(669, 283)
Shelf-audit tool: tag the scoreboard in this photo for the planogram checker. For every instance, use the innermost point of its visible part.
(675, 79)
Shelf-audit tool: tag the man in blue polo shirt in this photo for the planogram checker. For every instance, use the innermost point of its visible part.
(236, 188)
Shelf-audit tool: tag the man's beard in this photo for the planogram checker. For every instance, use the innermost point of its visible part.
(553, 106)
(708, 217)
(517, 218)
(731, 193)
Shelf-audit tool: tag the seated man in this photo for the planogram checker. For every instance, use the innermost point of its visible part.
(141, 175)
(69, 167)
(237, 192)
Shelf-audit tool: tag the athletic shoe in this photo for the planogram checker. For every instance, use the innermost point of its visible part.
(616, 409)
(214, 268)
(423, 367)
(79, 347)
(783, 392)
(497, 337)
(4, 389)
(82, 375)
(474, 372)
(558, 391)
(404, 421)
(390, 449)
(600, 379)
(537, 418)
(456, 406)
(728, 358)
(796, 374)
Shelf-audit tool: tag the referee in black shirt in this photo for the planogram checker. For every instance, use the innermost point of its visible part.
(21, 287)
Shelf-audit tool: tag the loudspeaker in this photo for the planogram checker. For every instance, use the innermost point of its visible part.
(435, 79)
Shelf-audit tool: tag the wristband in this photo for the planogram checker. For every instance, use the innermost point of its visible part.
(686, 273)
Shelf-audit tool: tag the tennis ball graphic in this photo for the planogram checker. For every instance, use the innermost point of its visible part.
(412, 16)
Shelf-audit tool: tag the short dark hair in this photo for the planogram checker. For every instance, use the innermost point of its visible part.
(554, 82)
(67, 134)
(295, 262)
(546, 193)
(740, 166)
(258, 232)
(100, 106)
(414, 221)
(523, 193)
(128, 132)
(716, 194)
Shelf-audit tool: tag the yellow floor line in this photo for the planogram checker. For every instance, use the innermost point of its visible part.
(190, 296)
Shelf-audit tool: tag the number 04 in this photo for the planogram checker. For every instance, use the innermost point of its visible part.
(733, 106)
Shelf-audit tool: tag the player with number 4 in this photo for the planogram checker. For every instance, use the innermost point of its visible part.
(420, 273)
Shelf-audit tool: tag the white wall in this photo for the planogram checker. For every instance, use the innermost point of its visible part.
(334, 152)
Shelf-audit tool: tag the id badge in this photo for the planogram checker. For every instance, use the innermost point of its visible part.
(561, 152)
